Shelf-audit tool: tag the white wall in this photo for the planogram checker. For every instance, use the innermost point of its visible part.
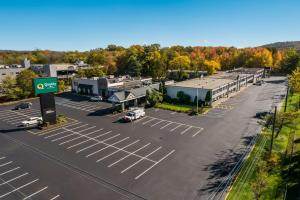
(192, 92)
(94, 83)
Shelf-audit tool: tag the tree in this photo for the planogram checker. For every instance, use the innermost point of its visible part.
(211, 66)
(61, 85)
(183, 98)
(180, 63)
(154, 97)
(10, 88)
(260, 184)
(208, 97)
(291, 61)
(294, 80)
(24, 81)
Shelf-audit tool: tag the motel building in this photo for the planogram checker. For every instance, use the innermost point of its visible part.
(216, 86)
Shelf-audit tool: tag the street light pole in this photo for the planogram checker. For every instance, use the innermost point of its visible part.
(273, 130)
(197, 100)
(286, 98)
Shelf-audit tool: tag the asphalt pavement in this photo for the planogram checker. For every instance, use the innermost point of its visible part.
(165, 155)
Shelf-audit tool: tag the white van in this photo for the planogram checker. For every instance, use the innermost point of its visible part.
(134, 114)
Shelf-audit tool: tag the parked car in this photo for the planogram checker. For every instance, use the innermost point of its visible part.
(32, 121)
(96, 98)
(134, 114)
(262, 115)
(23, 106)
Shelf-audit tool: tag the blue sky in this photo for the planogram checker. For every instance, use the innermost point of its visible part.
(86, 24)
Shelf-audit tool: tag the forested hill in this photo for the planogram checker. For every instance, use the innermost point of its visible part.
(284, 45)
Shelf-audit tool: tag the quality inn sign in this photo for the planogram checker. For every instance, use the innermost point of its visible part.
(45, 85)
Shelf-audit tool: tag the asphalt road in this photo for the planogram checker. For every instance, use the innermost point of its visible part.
(165, 155)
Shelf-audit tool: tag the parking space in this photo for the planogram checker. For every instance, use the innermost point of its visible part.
(169, 126)
(16, 183)
(15, 117)
(107, 148)
(83, 105)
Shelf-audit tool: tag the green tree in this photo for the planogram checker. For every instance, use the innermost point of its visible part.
(24, 81)
(291, 61)
(10, 88)
(154, 97)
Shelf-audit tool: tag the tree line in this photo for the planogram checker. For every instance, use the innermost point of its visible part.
(154, 60)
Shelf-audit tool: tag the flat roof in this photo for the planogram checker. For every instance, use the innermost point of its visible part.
(206, 83)
(210, 82)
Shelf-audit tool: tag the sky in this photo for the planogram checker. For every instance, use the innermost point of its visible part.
(87, 24)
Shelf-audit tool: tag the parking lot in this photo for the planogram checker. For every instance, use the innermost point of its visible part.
(165, 155)
(81, 105)
(15, 183)
(108, 148)
(170, 126)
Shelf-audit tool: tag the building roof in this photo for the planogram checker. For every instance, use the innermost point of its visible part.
(206, 83)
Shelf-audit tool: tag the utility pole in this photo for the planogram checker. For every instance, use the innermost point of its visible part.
(286, 98)
(273, 129)
(197, 100)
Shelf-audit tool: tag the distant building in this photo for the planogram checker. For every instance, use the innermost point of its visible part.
(216, 86)
(12, 70)
(25, 63)
(124, 90)
(61, 71)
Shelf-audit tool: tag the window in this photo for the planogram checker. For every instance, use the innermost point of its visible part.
(3, 74)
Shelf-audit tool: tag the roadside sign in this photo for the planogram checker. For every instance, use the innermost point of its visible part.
(45, 85)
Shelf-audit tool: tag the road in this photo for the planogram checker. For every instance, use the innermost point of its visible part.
(165, 155)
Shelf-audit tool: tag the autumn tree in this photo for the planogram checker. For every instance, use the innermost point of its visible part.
(24, 81)
(180, 63)
(294, 80)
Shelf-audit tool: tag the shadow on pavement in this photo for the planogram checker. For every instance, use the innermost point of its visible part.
(17, 129)
(220, 169)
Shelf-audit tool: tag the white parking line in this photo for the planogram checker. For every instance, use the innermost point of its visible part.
(185, 130)
(149, 121)
(12, 118)
(55, 129)
(80, 137)
(19, 188)
(166, 125)
(128, 155)
(75, 107)
(88, 139)
(106, 146)
(65, 130)
(154, 164)
(157, 123)
(56, 139)
(173, 129)
(55, 197)
(140, 160)
(35, 193)
(100, 142)
(1, 158)
(2, 165)
(3, 116)
(11, 170)
(117, 151)
(8, 181)
(172, 113)
(197, 132)
(109, 145)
